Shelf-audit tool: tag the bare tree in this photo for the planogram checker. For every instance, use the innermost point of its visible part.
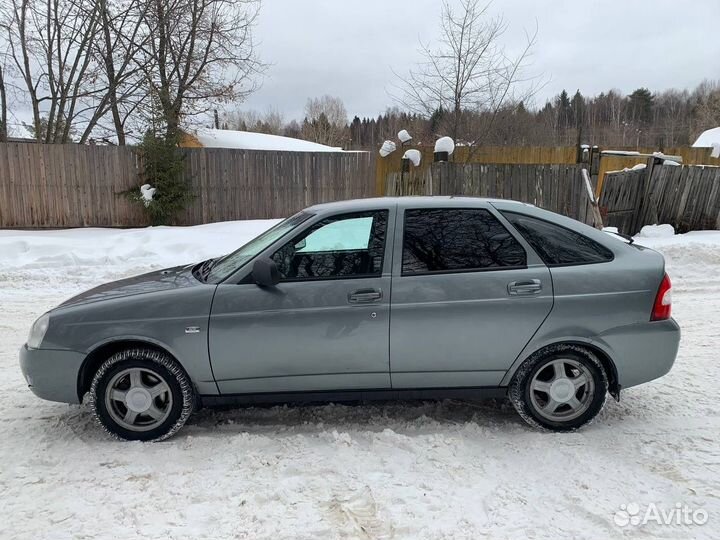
(271, 121)
(326, 121)
(50, 44)
(467, 73)
(198, 53)
(706, 105)
(119, 40)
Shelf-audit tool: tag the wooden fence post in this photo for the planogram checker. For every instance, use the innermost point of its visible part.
(596, 216)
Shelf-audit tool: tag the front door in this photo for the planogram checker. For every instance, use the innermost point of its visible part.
(325, 326)
(466, 299)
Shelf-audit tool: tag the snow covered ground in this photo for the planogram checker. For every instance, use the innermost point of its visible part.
(411, 470)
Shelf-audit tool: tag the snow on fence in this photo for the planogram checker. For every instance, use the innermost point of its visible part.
(559, 188)
(686, 197)
(52, 186)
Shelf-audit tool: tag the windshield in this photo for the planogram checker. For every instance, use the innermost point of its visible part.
(224, 266)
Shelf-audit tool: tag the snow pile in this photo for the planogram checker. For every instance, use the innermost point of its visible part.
(620, 152)
(246, 140)
(404, 136)
(149, 247)
(672, 162)
(414, 156)
(709, 138)
(445, 144)
(146, 193)
(638, 167)
(656, 231)
(387, 148)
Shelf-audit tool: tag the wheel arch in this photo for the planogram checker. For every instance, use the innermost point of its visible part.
(104, 350)
(602, 355)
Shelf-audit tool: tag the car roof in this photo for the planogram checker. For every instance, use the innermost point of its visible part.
(405, 202)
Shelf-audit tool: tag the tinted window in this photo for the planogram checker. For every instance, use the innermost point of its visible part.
(340, 246)
(557, 245)
(447, 240)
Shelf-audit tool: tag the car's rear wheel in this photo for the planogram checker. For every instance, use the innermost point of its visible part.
(141, 395)
(561, 388)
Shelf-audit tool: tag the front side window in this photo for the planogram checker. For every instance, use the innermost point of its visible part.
(556, 245)
(351, 245)
(225, 266)
(457, 240)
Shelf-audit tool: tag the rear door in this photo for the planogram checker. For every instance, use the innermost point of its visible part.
(467, 296)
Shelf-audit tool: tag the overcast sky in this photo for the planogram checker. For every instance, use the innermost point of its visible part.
(348, 48)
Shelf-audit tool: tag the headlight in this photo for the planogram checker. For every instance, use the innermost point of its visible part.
(37, 332)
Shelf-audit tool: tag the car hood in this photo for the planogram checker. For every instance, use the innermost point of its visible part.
(178, 277)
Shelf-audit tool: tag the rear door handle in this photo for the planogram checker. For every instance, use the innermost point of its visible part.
(365, 296)
(527, 287)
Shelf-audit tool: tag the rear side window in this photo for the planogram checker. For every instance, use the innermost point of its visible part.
(457, 240)
(556, 245)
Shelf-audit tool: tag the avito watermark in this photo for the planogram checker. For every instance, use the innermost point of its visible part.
(633, 515)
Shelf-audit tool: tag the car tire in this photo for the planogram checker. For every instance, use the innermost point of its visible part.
(141, 394)
(560, 388)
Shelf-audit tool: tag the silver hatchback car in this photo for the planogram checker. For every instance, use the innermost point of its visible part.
(407, 298)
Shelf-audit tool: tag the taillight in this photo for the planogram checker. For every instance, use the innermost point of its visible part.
(663, 301)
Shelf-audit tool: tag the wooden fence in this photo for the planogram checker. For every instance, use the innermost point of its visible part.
(686, 197)
(50, 186)
(597, 163)
(527, 155)
(559, 188)
(621, 194)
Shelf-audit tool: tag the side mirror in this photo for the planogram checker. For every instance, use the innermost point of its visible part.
(265, 273)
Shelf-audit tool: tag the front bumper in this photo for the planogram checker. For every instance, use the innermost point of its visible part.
(52, 374)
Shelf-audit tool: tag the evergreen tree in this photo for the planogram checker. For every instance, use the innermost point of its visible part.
(640, 106)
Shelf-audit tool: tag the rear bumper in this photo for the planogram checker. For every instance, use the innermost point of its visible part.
(51, 374)
(642, 352)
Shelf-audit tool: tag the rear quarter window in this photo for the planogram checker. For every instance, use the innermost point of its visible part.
(557, 245)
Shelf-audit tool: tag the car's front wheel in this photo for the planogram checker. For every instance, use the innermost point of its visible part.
(141, 395)
(562, 388)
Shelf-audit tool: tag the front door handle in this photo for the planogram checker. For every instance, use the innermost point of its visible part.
(365, 296)
(527, 287)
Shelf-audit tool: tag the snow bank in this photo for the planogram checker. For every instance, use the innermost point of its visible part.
(416, 470)
(246, 140)
(656, 231)
(152, 246)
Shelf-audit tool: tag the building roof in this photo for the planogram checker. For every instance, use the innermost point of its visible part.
(708, 138)
(247, 140)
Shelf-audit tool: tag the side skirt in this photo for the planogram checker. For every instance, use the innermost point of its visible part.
(354, 395)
